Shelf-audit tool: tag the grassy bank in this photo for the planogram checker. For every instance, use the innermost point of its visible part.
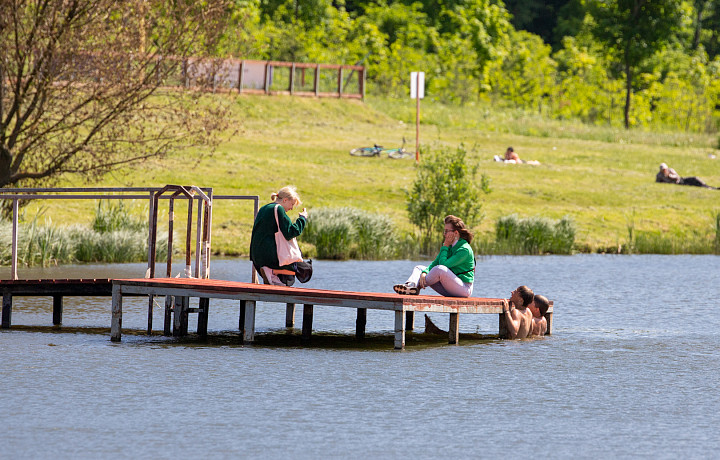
(601, 178)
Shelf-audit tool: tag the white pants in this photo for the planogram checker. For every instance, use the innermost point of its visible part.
(443, 281)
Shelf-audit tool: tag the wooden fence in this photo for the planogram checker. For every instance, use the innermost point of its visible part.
(218, 75)
(274, 77)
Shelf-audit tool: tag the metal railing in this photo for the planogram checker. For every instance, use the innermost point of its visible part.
(203, 195)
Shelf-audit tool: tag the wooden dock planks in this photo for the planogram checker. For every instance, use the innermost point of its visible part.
(179, 290)
(248, 294)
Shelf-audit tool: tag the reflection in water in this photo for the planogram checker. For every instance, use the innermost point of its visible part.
(627, 371)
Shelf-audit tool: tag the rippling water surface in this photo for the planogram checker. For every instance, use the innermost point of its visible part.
(631, 371)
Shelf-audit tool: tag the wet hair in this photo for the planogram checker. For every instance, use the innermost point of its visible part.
(460, 227)
(526, 294)
(542, 303)
(286, 192)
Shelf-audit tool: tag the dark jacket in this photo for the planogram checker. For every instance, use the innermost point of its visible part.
(263, 251)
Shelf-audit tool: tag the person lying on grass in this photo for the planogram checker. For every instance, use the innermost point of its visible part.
(669, 176)
(513, 158)
(452, 272)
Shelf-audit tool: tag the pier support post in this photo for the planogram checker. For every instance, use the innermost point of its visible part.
(116, 323)
(151, 304)
(169, 307)
(548, 318)
(502, 327)
(180, 318)
(307, 322)
(454, 329)
(290, 315)
(241, 320)
(57, 310)
(360, 323)
(409, 320)
(203, 316)
(399, 329)
(248, 329)
(6, 310)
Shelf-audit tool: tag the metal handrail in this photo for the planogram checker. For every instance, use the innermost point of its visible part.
(203, 195)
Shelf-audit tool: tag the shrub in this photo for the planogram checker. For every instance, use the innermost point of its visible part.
(445, 184)
(350, 233)
(534, 235)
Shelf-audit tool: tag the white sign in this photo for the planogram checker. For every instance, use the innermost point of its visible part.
(415, 83)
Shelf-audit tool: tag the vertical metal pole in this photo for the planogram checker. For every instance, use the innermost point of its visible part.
(209, 237)
(151, 228)
(151, 258)
(204, 249)
(254, 275)
(417, 118)
(198, 237)
(153, 235)
(188, 239)
(171, 218)
(14, 237)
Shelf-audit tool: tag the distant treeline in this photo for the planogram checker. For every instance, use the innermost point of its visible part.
(633, 62)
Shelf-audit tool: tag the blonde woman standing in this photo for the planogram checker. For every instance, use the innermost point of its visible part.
(263, 250)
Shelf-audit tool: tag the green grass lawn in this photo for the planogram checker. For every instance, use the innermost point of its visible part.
(602, 177)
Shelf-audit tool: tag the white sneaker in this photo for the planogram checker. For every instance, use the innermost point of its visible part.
(406, 289)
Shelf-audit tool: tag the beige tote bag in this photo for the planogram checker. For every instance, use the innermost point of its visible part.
(287, 251)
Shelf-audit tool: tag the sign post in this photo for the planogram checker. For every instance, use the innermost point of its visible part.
(417, 92)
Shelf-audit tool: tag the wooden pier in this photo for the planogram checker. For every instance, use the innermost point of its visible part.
(55, 288)
(178, 291)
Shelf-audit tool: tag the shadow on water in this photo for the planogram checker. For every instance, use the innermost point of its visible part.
(280, 338)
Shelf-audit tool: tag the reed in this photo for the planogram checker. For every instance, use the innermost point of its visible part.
(532, 235)
(114, 216)
(46, 244)
(350, 233)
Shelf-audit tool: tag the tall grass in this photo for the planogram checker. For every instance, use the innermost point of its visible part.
(114, 216)
(107, 240)
(532, 235)
(350, 233)
(676, 240)
(488, 116)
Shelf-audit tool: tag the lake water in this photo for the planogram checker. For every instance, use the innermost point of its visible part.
(631, 371)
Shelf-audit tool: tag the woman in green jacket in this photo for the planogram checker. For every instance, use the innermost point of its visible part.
(452, 272)
(263, 250)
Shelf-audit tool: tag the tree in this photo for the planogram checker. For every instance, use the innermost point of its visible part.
(77, 80)
(445, 184)
(632, 31)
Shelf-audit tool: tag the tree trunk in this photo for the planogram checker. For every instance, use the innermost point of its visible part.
(628, 93)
